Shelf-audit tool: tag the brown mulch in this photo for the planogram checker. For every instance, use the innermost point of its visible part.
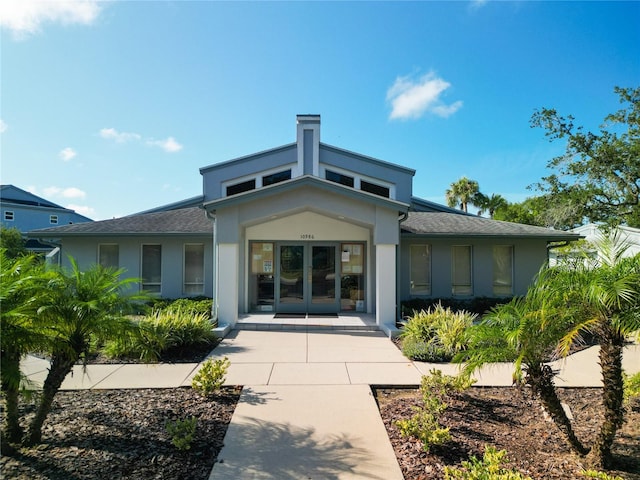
(510, 419)
(120, 434)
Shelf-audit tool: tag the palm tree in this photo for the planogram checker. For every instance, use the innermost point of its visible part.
(527, 331)
(462, 192)
(19, 281)
(489, 204)
(610, 293)
(75, 308)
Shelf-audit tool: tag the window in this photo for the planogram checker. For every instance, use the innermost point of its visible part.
(261, 281)
(241, 187)
(420, 269)
(461, 276)
(193, 269)
(8, 215)
(109, 255)
(352, 275)
(374, 188)
(152, 268)
(276, 178)
(339, 178)
(502, 270)
(53, 219)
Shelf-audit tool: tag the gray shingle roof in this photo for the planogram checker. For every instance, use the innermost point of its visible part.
(187, 221)
(452, 224)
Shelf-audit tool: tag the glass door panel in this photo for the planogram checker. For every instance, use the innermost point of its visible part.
(292, 275)
(323, 274)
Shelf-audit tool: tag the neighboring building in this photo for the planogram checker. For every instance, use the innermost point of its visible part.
(312, 228)
(26, 211)
(627, 238)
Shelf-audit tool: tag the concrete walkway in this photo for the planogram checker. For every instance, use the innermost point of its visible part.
(306, 410)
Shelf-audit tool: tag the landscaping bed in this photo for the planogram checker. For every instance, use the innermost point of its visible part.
(118, 434)
(510, 419)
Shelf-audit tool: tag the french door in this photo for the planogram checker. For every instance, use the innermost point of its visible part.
(307, 278)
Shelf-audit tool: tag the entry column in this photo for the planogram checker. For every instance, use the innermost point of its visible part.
(386, 286)
(228, 262)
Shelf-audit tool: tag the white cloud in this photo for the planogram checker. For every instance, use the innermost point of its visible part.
(119, 137)
(67, 154)
(411, 99)
(3, 126)
(169, 145)
(69, 192)
(25, 17)
(477, 4)
(82, 209)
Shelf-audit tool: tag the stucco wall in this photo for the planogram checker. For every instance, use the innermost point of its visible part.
(529, 256)
(85, 251)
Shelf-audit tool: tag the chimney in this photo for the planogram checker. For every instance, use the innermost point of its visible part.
(308, 139)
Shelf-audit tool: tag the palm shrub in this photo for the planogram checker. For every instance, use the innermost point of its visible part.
(436, 334)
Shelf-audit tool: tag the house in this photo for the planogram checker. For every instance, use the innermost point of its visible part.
(623, 236)
(25, 211)
(315, 229)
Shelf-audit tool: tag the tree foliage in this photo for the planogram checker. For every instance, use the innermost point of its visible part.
(597, 178)
(12, 241)
(462, 192)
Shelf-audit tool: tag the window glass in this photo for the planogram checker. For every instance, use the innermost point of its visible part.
(276, 178)
(8, 215)
(261, 286)
(420, 269)
(53, 219)
(352, 289)
(374, 188)
(152, 268)
(502, 270)
(339, 178)
(241, 187)
(193, 269)
(461, 270)
(109, 255)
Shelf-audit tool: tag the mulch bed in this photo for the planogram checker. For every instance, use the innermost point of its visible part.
(510, 419)
(120, 434)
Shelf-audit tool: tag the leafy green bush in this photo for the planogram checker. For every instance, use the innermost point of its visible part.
(631, 387)
(211, 376)
(170, 331)
(436, 334)
(477, 305)
(489, 468)
(425, 423)
(599, 475)
(182, 432)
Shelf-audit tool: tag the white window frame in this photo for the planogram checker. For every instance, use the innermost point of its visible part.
(157, 286)
(100, 245)
(53, 219)
(258, 177)
(461, 289)
(357, 178)
(9, 216)
(187, 286)
(414, 287)
(501, 288)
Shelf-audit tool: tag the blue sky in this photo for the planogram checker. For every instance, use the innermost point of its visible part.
(111, 108)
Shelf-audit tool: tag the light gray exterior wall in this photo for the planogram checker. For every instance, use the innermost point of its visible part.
(85, 252)
(529, 256)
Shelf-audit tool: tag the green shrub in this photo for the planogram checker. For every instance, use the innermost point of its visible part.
(172, 330)
(599, 475)
(489, 468)
(425, 423)
(182, 432)
(631, 387)
(436, 334)
(211, 376)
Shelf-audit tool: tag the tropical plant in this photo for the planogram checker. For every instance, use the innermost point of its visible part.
(436, 334)
(74, 307)
(489, 204)
(462, 192)
(21, 278)
(527, 330)
(610, 294)
(12, 241)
